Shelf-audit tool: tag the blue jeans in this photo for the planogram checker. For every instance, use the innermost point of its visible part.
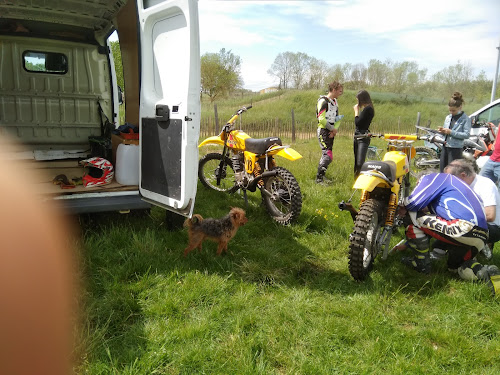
(448, 154)
(491, 169)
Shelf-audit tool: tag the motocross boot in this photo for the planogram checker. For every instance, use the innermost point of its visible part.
(489, 273)
(486, 251)
(320, 176)
(420, 261)
(439, 250)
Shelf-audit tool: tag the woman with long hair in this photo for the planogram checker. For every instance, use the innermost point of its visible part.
(364, 113)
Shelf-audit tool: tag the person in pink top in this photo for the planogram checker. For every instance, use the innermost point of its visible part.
(491, 168)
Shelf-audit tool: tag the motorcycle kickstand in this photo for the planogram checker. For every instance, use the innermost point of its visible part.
(246, 198)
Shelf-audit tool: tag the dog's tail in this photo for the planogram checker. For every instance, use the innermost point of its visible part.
(196, 219)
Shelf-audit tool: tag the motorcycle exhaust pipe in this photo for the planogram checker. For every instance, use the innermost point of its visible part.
(253, 185)
(347, 206)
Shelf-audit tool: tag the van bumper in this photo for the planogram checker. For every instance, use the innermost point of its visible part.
(102, 202)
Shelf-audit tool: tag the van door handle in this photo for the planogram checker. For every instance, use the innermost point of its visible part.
(162, 113)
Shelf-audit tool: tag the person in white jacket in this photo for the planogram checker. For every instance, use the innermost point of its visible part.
(327, 113)
(488, 192)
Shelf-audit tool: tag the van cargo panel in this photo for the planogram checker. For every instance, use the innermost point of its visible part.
(39, 108)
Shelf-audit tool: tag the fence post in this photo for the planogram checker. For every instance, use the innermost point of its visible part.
(216, 119)
(399, 124)
(293, 126)
(418, 118)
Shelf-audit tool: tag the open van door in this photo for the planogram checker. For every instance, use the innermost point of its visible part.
(169, 102)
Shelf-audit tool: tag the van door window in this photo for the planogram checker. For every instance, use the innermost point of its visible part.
(45, 62)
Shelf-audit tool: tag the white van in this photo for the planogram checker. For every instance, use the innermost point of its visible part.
(488, 113)
(58, 96)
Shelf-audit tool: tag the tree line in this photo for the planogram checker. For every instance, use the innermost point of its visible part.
(220, 75)
(300, 71)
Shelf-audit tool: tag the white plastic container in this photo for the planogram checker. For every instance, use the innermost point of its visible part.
(127, 164)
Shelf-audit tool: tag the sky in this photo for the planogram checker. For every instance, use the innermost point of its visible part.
(433, 33)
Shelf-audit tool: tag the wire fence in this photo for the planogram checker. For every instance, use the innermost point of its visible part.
(303, 131)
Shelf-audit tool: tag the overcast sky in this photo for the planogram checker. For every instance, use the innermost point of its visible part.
(433, 33)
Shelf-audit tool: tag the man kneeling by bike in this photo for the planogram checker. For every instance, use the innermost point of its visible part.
(444, 207)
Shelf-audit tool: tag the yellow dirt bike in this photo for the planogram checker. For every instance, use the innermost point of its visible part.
(248, 164)
(384, 185)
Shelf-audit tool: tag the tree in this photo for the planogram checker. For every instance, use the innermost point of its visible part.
(358, 75)
(117, 57)
(282, 68)
(318, 71)
(220, 73)
(481, 85)
(455, 78)
(299, 68)
(339, 73)
(377, 73)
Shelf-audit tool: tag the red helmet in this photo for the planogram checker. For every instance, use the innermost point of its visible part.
(100, 172)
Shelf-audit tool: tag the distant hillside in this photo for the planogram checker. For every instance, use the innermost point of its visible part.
(389, 108)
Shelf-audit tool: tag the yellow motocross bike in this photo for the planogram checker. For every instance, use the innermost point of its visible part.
(248, 164)
(384, 185)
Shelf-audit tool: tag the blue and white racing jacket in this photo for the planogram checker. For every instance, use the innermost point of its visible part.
(448, 197)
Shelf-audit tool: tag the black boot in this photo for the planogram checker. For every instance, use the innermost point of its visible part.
(320, 176)
(420, 261)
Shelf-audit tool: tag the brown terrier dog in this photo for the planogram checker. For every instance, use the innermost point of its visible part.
(218, 230)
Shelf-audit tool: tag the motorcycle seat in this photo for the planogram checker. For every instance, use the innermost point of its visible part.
(260, 145)
(388, 168)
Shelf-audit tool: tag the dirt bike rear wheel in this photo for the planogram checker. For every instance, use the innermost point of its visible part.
(285, 202)
(209, 169)
(363, 240)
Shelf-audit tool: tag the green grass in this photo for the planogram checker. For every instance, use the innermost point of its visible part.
(280, 302)
(390, 109)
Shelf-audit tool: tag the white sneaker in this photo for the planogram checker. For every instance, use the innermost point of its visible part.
(437, 253)
(487, 253)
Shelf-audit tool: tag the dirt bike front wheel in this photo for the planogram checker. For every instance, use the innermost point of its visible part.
(425, 158)
(364, 239)
(209, 169)
(282, 197)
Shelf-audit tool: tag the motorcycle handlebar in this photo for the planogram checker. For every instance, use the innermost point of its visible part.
(235, 116)
(433, 139)
(367, 135)
(243, 109)
(429, 130)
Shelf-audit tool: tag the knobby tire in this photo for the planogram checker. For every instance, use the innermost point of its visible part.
(208, 168)
(286, 205)
(424, 153)
(367, 228)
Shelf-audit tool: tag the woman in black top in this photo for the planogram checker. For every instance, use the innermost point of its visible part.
(362, 120)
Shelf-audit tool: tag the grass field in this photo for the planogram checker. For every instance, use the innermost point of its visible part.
(390, 109)
(280, 302)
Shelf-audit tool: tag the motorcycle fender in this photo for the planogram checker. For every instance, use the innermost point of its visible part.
(289, 153)
(212, 140)
(369, 183)
(395, 188)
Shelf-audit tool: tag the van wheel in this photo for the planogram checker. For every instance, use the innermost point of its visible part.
(173, 221)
